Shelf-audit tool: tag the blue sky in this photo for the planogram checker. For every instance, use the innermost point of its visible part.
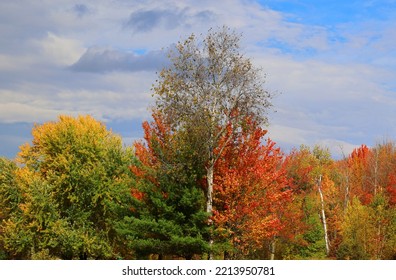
(330, 13)
(333, 63)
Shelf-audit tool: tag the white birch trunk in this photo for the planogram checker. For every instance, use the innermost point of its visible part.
(346, 193)
(209, 200)
(209, 195)
(272, 247)
(323, 216)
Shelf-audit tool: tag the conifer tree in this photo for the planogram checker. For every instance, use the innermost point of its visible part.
(168, 216)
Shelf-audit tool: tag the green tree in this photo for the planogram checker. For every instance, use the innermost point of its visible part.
(75, 185)
(9, 193)
(368, 230)
(168, 217)
(356, 231)
(10, 197)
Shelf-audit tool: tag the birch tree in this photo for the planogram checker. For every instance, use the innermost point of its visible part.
(323, 215)
(209, 86)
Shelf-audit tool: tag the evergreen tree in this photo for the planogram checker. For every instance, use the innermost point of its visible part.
(168, 216)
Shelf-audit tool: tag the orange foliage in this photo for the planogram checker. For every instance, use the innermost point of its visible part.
(391, 189)
(250, 189)
(358, 164)
(156, 135)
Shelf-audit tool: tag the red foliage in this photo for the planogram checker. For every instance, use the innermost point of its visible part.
(359, 164)
(391, 189)
(360, 153)
(250, 188)
(156, 135)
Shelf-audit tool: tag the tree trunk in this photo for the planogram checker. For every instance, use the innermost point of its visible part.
(346, 193)
(323, 216)
(272, 248)
(209, 195)
(209, 201)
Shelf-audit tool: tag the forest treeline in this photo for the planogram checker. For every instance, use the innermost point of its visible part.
(203, 183)
(77, 193)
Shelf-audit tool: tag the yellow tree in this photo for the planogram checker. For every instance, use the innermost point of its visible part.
(75, 184)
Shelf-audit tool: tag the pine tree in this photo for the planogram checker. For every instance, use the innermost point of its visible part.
(168, 216)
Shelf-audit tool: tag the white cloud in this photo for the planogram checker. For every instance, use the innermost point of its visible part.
(60, 50)
(290, 135)
(11, 112)
(14, 63)
(338, 149)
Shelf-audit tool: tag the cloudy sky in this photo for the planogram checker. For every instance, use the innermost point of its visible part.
(331, 63)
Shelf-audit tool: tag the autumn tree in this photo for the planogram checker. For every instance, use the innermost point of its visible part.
(358, 175)
(368, 224)
(368, 230)
(168, 218)
(391, 189)
(359, 203)
(371, 171)
(208, 87)
(252, 193)
(75, 184)
(315, 178)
